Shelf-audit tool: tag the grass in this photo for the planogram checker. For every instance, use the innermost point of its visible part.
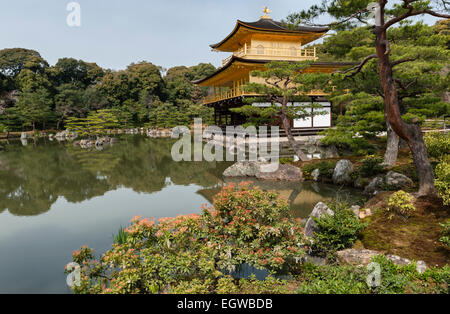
(121, 236)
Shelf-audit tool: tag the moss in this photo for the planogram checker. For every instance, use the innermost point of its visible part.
(416, 239)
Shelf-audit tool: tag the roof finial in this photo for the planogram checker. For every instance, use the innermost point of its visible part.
(266, 11)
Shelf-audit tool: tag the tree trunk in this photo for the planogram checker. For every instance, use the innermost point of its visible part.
(390, 156)
(409, 132)
(287, 128)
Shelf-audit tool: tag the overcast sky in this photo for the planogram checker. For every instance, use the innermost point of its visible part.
(114, 33)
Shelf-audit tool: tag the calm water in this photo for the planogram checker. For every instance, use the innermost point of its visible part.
(55, 197)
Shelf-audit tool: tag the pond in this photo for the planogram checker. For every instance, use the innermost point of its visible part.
(55, 197)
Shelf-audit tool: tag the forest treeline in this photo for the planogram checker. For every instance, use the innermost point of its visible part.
(35, 95)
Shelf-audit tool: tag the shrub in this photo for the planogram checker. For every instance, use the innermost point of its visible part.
(445, 238)
(326, 168)
(270, 285)
(393, 279)
(371, 166)
(254, 227)
(336, 232)
(400, 203)
(188, 254)
(442, 181)
(438, 144)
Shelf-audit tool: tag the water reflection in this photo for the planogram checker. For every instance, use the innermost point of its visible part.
(32, 177)
(55, 197)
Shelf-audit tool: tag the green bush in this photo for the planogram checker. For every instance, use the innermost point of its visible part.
(326, 169)
(336, 232)
(400, 203)
(438, 144)
(270, 285)
(445, 235)
(442, 180)
(393, 279)
(371, 166)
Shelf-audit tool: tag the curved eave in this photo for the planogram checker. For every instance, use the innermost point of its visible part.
(316, 64)
(239, 24)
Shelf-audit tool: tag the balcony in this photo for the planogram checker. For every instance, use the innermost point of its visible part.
(269, 53)
(237, 92)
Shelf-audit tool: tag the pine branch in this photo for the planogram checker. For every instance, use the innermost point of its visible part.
(356, 69)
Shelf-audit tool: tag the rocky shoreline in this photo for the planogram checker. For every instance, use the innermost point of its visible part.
(343, 174)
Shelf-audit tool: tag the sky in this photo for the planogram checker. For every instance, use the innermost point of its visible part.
(115, 33)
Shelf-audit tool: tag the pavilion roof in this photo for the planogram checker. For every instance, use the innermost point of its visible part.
(267, 25)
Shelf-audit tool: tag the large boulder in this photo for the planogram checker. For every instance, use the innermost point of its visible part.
(319, 210)
(284, 173)
(242, 169)
(374, 186)
(395, 180)
(342, 171)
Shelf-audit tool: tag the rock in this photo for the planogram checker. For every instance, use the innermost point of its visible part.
(315, 260)
(61, 134)
(319, 210)
(315, 174)
(397, 260)
(395, 180)
(284, 172)
(362, 257)
(242, 169)
(421, 267)
(342, 172)
(329, 152)
(360, 183)
(355, 209)
(374, 186)
(356, 257)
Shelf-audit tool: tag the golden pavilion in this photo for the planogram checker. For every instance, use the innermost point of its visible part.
(253, 44)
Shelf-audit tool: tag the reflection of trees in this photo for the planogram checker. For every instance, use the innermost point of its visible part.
(33, 177)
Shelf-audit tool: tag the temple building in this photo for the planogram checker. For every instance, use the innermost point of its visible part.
(253, 44)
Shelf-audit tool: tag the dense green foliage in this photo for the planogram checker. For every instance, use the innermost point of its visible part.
(445, 239)
(371, 166)
(326, 169)
(393, 279)
(438, 146)
(193, 253)
(358, 100)
(36, 95)
(336, 232)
